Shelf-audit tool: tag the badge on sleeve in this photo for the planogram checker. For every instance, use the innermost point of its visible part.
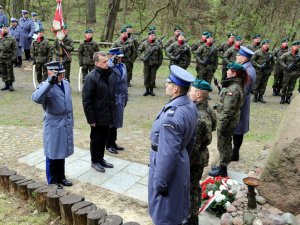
(170, 125)
(171, 111)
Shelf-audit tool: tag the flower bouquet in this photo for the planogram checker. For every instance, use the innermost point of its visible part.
(217, 194)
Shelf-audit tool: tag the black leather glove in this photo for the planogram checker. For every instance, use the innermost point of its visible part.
(53, 80)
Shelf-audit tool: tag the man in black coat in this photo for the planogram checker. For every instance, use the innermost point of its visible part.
(98, 105)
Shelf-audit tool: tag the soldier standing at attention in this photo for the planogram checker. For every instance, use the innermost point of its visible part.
(86, 51)
(27, 28)
(129, 51)
(230, 54)
(206, 124)
(151, 54)
(41, 54)
(255, 43)
(263, 62)
(222, 49)
(228, 108)
(202, 41)
(179, 53)
(172, 140)
(207, 59)
(15, 32)
(8, 54)
(278, 71)
(177, 31)
(290, 62)
(62, 50)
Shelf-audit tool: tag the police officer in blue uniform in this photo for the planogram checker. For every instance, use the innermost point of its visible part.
(35, 20)
(172, 139)
(55, 96)
(15, 31)
(27, 32)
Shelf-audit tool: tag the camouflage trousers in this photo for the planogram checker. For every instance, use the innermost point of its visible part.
(195, 193)
(7, 70)
(41, 72)
(178, 63)
(86, 68)
(261, 83)
(150, 75)
(205, 74)
(224, 72)
(278, 76)
(225, 145)
(129, 68)
(289, 83)
(67, 67)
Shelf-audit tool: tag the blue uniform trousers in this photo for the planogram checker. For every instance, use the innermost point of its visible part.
(55, 170)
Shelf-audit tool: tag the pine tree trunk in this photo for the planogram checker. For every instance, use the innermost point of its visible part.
(17, 7)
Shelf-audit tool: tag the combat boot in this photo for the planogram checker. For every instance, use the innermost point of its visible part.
(6, 87)
(261, 99)
(151, 91)
(255, 98)
(274, 92)
(282, 100)
(221, 172)
(146, 92)
(19, 61)
(288, 99)
(278, 92)
(235, 154)
(10, 87)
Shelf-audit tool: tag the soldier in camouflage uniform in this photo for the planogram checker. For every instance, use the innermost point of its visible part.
(151, 54)
(222, 48)
(263, 62)
(202, 41)
(255, 43)
(206, 124)
(85, 53)
(230, 54)
(128, 48)
(8, 54)
(228, 108)
(206, 59)
(177, 31)
(278, 71)
(179, 53)
(62, 50)
(41, 53)
(291, 75)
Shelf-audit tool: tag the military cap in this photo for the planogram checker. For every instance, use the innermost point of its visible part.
(230, 34)
(116, 51)
(284, 40)
(256, 36)
(246, 52)
(204, 32)
(13, 20)
(129, 26)
(202, 85)
(238, 38)
(34, 14)
(123, 30)
(296, 43)
(24, 12)
(3, 25)
(235, 66)
(56, 66)
(208, 35)
(89, 31)
(177, 28)
(266, 41)
(151, 32)
(40, 30)
(180, 76)
(1, 7)
(152, 28)
(65, 26)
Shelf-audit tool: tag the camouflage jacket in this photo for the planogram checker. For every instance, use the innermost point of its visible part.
(230, 101)
(8, 48)
(128, 49)
(179, 54)
(62, 49)
(86, 51)
(207, 57)
(230, 55)
(279, 52)
(222, 48)
(170, 41)
(206, 124)
(151, 53)
(196, 45)
(41, 51)
(253, 48)
(263, 62)
(287, 59)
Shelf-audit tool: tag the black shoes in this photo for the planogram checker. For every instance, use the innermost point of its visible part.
(222, 171)
(151, 91)
(147, 91)
(112, 150)
(6, 87)
(66, 182)
(105, 164)
(261, 99)
(117, 147)
(98, 167)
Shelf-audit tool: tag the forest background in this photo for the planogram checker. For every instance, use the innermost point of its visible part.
(273, 19)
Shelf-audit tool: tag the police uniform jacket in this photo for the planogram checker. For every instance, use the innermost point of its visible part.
(58, 119)
(243, 125)
(16, 33)
(173, 133)
(3, 18)
(27, 31)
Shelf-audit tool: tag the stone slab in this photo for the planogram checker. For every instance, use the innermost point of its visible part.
(138, 191)
(206, 218)
(78, 154)
(77, 168)
(119, 164)
(144, 180)
(137, 169)
(41, 165)
(33, 158)
(93, 177)
(237, 176)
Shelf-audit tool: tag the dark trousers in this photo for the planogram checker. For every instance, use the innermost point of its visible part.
(111, 137)
(67, 67)
(97, 145)
(27, 54)
(55, 170)
(237, 141)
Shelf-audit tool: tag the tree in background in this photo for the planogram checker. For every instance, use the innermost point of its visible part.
(90, 12)
(110, 21)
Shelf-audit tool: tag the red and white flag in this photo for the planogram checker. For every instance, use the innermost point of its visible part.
(58, 20)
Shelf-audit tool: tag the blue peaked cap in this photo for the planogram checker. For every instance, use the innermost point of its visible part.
(180, 76)
(246, 52)
(56, 66)
(115, 51)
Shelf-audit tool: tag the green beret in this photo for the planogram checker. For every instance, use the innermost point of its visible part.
(123, 30)
(296, 43)
(152, 28)
(129, 26)
(65, 26)
(202, 85)
(152, 32)
(235, 66)
(89, 31)
(40, 30)
(256, 36)
(265, 41)
(284, 40)
(205, 32)
(3, 25)
(208, 35)
(230, 34)
(238, 38)
(177, 28)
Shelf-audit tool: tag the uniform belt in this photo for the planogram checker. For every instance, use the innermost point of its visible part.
(154, 147)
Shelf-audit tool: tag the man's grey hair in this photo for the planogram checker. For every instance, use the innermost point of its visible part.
(96, 55)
